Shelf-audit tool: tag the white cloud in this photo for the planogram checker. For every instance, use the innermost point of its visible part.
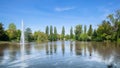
(59, 9)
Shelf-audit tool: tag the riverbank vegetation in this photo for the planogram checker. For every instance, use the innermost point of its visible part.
(108, 30)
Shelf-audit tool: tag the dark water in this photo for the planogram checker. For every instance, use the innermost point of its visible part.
(61, 54)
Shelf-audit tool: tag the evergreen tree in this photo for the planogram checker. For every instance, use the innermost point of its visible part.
(63, 33)
(47, 31)
(71, 33)
(94, 35)
(51, 34)
(85, 29)
(55, 34)
(1, 31)
(3, 36)
(90, 30)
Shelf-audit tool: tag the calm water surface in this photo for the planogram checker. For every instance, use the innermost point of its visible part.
(61, 54)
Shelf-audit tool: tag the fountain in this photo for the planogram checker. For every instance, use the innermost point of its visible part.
(22, 42)
(21, 61)
(22, 46)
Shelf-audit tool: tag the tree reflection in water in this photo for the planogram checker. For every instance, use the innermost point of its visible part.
(102, 52)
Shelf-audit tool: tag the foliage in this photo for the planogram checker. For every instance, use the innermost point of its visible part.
(3, 36)
(83, 37)
(55, 34)
(40, 36)
(118, 40)
(90, 31)
(51, 34)
(78, 31)
(12, 32)
(63, 33)
(18, 35)
(71, 33)
(67, 37)
(104, 30)
(85, 29)
(28, 35)
(115, 20)
(58, 36)
(47, 31)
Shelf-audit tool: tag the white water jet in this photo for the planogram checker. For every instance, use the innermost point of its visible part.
(22, 46)
(22, 41)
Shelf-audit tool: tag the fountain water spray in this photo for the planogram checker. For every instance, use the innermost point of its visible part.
(22, 41)
(22, 46)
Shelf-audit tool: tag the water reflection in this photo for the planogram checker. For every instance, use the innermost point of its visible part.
(71, 47)
(55, 47)
(78, 48)
(47, 49)
(63, 47)
(50, 48)
(100, 52)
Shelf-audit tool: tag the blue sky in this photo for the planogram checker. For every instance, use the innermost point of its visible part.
(36, 14)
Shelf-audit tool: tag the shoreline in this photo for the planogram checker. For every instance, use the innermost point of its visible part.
(8, 42)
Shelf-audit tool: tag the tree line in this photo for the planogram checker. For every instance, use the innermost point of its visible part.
(108, 30)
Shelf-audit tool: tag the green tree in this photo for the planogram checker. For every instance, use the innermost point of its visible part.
(117, 15)
(94, 35)
(1, 32)
(18, 35)
(67, 37)
(3, 36)
(28, 35)
(58, 36)
(78, 31)
(47, 30)
(85, 29)
(63, 33)
(40, 36)
(104, 30)
(12, 32)
(55, 34)
(90, 31)
(115, 20)
(83, 36)
(12, 26)
(51, 34)
(71, 33)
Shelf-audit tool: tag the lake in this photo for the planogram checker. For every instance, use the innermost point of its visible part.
(61, 54)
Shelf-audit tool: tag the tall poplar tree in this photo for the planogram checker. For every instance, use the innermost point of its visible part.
(90, 31)
(51, 33)
(63, 33)
(71, 33)
(55, 34)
